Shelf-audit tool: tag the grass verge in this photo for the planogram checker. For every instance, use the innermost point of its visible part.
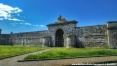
(72, 52)
(7, 51)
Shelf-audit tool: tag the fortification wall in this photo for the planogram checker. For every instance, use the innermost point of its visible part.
(29, 38)
(92, 36)
(89, 36)
(4, 39)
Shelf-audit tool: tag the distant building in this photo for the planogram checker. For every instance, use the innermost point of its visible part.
(65, 33)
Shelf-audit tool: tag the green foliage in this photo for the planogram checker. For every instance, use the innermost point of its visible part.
(107, 47)
(72, 52)
(6, 51)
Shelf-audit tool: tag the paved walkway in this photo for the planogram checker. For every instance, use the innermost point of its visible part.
(13, 61)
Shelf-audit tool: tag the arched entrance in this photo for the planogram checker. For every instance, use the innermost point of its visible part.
(59, 40)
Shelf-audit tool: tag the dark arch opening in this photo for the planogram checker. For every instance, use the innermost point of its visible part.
(59, 40)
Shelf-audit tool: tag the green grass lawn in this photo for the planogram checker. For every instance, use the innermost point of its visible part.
(72, 52)
(6, 51)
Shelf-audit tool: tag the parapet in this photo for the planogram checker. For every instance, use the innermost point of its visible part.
(111, 24)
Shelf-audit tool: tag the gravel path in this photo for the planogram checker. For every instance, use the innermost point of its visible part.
(13, 61)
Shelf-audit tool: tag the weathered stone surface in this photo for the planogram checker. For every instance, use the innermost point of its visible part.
(92, 36)
(112, 34)
(71, 40)
(88, 36)
(4, 39)
(46, 41)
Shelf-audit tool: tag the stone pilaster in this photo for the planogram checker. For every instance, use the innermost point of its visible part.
(71, 41)
(46, 41)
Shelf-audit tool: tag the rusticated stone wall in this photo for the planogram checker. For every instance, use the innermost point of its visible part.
(29, 38)
(92, 36)
(4, 39)
(88, 36)
(46, 41)
(71, 41)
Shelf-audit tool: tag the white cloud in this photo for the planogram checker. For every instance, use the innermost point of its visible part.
(21, 23)
(14, 19)
(27, 23)
(22, 27)
(41, 25)
(7, 12)
(18, 14)
(35, 25)
(13, 24)
(1, 18)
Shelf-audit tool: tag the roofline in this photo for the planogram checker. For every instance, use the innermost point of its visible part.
(112, 22)
(68, 22)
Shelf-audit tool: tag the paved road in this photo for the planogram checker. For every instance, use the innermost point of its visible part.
(13, 61)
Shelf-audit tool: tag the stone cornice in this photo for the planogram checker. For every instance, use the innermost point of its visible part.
(67, 22)
(112, 22)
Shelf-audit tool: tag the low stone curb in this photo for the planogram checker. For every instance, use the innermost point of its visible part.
(61, 58)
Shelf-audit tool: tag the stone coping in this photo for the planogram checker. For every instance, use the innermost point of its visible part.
(68, 22)
(31, 32)
(91, 26)
(112, 22)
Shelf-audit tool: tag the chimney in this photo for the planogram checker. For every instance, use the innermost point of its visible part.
(0, 31)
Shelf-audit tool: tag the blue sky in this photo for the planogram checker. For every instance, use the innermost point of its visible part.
(34, 15)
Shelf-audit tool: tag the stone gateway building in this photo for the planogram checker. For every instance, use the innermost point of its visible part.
(65, 33)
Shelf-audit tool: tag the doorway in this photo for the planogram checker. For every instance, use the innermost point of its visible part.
(59, 39)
